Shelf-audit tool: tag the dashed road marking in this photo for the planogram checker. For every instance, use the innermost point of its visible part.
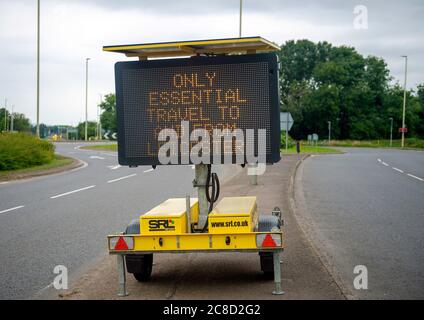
(398, 170)
(122, 178)
(114, 167)
(415, 177)
(149, 170)
(109, 154)
(97, 157)
(70, 192)
(11, 209)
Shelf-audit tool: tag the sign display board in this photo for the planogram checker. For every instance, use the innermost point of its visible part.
(210, 93)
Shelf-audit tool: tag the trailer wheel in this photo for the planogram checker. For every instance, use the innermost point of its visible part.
(140, 266)
(267, 223)
(267, 265)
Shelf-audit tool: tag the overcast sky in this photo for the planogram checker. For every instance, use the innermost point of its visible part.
(72, 30)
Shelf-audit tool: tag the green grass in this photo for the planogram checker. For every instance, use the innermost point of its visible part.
(58, 161)
(411, 143)
(310, 149)
(107, 147)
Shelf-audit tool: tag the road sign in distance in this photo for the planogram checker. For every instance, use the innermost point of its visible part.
(226, 92)
(404, 130)
(286, 121)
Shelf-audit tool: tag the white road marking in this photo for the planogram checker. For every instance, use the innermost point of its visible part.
(11, 209)
(114, 167)
(149, 170)
(73, 191)
(97, 157)
(108, 154)
(122, 178)
(193, 167)
(415, 177)
(401, 171)
(4, 182)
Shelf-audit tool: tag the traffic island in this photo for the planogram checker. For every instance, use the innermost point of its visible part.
(225, 275)
(58, 165)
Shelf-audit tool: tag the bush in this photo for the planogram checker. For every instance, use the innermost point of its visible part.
(21, 150)
(414, 143)
(290, 143)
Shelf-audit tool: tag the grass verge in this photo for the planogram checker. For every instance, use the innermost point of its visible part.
(311, 149)
(58, 162)
(107, 147)
(291, 150)
(410, 143)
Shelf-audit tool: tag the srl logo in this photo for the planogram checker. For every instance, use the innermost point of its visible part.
(162, 225)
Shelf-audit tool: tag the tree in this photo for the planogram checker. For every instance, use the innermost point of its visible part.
(3, 113)
(108, 117)
(21, 123)
(320, 83)
(91, 129)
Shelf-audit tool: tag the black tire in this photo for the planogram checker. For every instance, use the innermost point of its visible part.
(266, 224)
(133, 227)
(140, 266)
(267, 265)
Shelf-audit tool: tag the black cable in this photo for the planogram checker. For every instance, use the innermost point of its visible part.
(212, 180)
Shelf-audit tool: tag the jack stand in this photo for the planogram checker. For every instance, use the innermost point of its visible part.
(277, 274)
(122, 291)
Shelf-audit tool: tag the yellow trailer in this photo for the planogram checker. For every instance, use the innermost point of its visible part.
(202, 223)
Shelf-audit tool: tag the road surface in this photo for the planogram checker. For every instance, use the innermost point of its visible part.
(367, 208)
(63, 219)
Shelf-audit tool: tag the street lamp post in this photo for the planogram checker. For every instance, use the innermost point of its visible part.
(11, 120)
(37, 130)
(86, 98)
(329, 131)
(404, 101)
(391, 131)
(241, 11)
(5, 115)
(99, 125)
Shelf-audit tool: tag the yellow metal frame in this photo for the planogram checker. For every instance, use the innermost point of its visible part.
(188, 48)
(195, 242)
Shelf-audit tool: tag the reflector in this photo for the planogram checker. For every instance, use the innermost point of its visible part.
(121, 243)
(268, 241)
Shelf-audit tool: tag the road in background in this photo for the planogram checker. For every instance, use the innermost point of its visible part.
(64, 219)
(367, 208)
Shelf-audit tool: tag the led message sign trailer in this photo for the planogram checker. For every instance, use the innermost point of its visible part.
(225, 92)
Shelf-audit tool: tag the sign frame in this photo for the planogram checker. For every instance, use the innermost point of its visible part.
(274, 110)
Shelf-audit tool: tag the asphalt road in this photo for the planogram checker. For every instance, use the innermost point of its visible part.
(367, 208)
(64, 219)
